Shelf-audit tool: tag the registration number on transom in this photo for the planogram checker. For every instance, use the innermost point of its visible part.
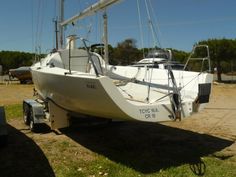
(149, 113)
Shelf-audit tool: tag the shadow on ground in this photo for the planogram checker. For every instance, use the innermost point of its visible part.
(22, 157)
(147, 148)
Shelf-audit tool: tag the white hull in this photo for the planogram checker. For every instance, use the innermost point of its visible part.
(85, 93)
(96, 97)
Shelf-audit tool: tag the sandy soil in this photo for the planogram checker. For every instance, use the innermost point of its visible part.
(15, 93)
(217, 119)
(211, 132)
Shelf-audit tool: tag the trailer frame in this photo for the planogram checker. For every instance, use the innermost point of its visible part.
(37, 112)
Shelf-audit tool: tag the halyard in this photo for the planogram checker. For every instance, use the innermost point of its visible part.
(201, 145)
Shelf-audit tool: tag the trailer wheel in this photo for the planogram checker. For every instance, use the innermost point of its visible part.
(33, 127)
(26, 113)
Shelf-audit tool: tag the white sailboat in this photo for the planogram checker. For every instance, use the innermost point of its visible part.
(80, 81)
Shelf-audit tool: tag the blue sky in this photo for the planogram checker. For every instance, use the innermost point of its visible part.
(181, 23)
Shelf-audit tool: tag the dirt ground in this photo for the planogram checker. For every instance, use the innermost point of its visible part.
(212, 130)
(15, 93)
(218, 118)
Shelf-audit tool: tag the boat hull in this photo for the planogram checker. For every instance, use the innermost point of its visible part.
(97, 96)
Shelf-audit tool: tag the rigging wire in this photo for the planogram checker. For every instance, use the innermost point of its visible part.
(83, 27)
(154, 35)
(39, 25)
(32, 27)
(157, 24)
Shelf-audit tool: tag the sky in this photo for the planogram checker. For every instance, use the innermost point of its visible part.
(28, 24)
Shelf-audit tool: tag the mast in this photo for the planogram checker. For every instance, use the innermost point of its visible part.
(56, 32)
(105, 38)
(61, 19)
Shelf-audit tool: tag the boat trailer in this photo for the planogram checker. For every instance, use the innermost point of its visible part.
(37, 112)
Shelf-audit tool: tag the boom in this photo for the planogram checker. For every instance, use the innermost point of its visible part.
(99, 6)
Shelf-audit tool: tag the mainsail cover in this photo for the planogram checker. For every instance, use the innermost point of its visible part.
(99, 6)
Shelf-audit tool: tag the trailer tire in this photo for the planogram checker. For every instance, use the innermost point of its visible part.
(26, 113)
(33, 127)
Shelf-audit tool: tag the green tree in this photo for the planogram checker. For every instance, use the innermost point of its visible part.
(179, 55)
(15, 59)
(126, 52)
(221, 51)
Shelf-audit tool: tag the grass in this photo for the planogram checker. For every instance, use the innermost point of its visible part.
(125, 149)
(13, 111)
